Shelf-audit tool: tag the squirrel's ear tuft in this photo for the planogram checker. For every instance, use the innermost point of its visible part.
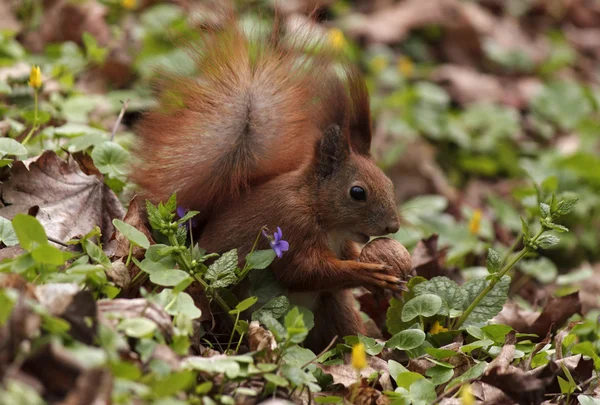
(332, 150)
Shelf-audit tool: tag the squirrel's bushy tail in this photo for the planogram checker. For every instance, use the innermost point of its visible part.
(250, 114)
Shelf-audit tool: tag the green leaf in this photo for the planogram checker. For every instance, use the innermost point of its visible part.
(422, 392)
(277, 380)
(328, 400)
(545, 210)
(494, 261)
(440, 354)
(131, 233)
(542, 269)
(168, 278)
(230, 365)
(29, 231)
(478, 344)
(7, 233)
(587, 400)
(406, 340)
(396, 369)
(567, 205)
(294, 325)
(491, 304)
(546, 241)
(95, 253)
(496, 332)
(111, 158)
(565, 386)
(406, 379)
(439, 374)
(244, 305)
(260, 259)
(178, 303)
(423, 305)
(556, 227)
(277, 307)
(372, 346)
(453, 297)
(587, 349)
(272, 324)
(525, 229)
(9, 146)
(48, 254)
(471, 374)
(222, 272)
(137, 327)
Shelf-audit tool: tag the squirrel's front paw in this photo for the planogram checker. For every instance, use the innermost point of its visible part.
(390, 262)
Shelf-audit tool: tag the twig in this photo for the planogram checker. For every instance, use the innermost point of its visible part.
(322, 352)
(119, 118)
(58, 242)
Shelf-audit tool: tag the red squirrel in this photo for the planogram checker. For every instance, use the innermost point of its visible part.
(263, 136)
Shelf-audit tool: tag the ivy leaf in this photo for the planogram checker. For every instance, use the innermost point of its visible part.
(408, 378)
(494, 261)
(423, 305)
(260, 259)
(493, 302)
(453, 297)
(222, 272)
(132, 234)
(546, 241)
(439, 374)
(406, 340)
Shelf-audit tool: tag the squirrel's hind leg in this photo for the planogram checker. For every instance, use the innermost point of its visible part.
(335, 315)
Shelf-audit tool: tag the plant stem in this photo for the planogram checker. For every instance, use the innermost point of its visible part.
(246, 268)
(237, 318)
(35, 118)
(184, 262)
(129, 255)
(495, 280)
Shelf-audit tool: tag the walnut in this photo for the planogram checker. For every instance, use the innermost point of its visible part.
(390, 252)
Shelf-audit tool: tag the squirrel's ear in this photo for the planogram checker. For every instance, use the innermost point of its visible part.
(332, 150)
(360, 119)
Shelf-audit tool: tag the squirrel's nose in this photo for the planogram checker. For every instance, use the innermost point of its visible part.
(393, 226)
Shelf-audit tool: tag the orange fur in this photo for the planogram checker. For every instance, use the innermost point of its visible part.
(265, 138)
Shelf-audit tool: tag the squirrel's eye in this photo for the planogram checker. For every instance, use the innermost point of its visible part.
(358, 193)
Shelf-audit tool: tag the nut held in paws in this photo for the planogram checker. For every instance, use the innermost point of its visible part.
(388, 251)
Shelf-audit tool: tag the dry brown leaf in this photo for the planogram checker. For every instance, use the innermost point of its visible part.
(110, 311)
(136, 217)
(345, 374)
(70, 202)
(555, 313)
(260, 339)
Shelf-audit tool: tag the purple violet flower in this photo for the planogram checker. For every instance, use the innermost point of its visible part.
(277, 243)
(181, 211)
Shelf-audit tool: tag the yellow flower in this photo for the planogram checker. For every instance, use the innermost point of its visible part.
(406, 66)
(378, 64)
(359, 356)
(437, 328)
(35, 77)
(466, 395)
(336, 38)
(475, 222)
(129, 4)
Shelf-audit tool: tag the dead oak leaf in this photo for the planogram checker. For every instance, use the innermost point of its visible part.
(70, 202)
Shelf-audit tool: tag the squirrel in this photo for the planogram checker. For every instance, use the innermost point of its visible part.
(265, 135)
